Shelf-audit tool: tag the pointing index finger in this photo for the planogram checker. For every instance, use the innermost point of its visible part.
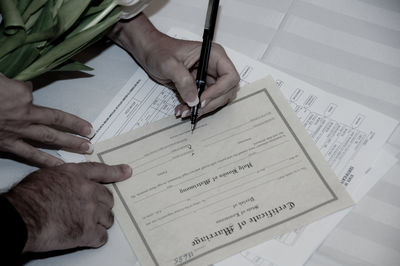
(101, 173)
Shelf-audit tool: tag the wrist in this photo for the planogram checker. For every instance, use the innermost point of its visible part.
(27, 215)
(13, 230)
(138, 36)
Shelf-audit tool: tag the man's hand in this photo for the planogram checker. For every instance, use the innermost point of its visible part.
(66, 207)
(172, 62)
(21, 120)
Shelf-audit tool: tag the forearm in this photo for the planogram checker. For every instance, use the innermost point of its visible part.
(137, 36)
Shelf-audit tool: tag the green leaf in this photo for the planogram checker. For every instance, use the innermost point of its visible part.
(73, 53)
(45, 26)
(10, 43)
(57, 5)
(98, 8)
(34, 6)
(32, 19)
(25, 75)
(66, 49)
(85, 21)
(11, 17)
(45, 20)
(40, 37)
(44, 50)
(15, 62)
(22, 5)
(73, 66)
(69, 13)
(101, 15)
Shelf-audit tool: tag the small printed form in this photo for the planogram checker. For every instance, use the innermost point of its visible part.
(248, 173)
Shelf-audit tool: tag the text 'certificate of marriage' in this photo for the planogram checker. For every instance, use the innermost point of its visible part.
(247, 173)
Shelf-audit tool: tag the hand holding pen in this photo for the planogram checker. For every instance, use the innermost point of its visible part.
(173, 62)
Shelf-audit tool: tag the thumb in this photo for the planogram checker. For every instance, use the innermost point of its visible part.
(184, 82)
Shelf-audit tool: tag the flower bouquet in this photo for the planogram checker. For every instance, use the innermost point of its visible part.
(37, 36)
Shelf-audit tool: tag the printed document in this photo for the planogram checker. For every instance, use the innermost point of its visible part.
(296, 247)
(142, 101)
(239, 179)
(348, 134)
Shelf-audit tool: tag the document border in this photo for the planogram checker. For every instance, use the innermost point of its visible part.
(264, 90)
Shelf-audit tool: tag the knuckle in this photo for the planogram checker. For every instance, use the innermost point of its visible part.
(187, 80)
(111, 198)
(25, 112)
(58, 117)
(108, 219)
(169, 60)
(236, 79)
(46, 161)
(233, 95)
(93, 165)
(22, 90)
(218, 50)
(111, 218)
(236, 88)
(101, 239)
(69, 167)
(89, 235)
(89, 226)
(31, 153)
(48, 136)
(217, 46)
(7, 145)
(168, 63)
(26, 98)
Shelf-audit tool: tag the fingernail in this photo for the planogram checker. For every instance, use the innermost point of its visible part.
(203, 103)
(194, 103)
(185, 113)
(127, 170)
(89, 132)
(178, 113)
(87, 147)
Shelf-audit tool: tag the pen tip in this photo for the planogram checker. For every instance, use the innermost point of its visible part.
(193, 128)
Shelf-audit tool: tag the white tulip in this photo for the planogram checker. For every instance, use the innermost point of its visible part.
(126, 2)
(129, 9)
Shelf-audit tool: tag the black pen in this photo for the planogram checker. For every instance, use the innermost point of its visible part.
(208, 35)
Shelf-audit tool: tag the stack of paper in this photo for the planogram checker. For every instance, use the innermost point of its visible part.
(350, 136)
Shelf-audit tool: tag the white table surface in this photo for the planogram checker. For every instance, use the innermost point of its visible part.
(347, 47)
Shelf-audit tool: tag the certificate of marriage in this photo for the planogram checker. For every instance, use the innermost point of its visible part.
(248, 173)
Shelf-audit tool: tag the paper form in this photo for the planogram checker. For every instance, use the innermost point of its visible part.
(348, 134)
(265, 177)
(306, 99)
(139, 102)
(294, 248)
